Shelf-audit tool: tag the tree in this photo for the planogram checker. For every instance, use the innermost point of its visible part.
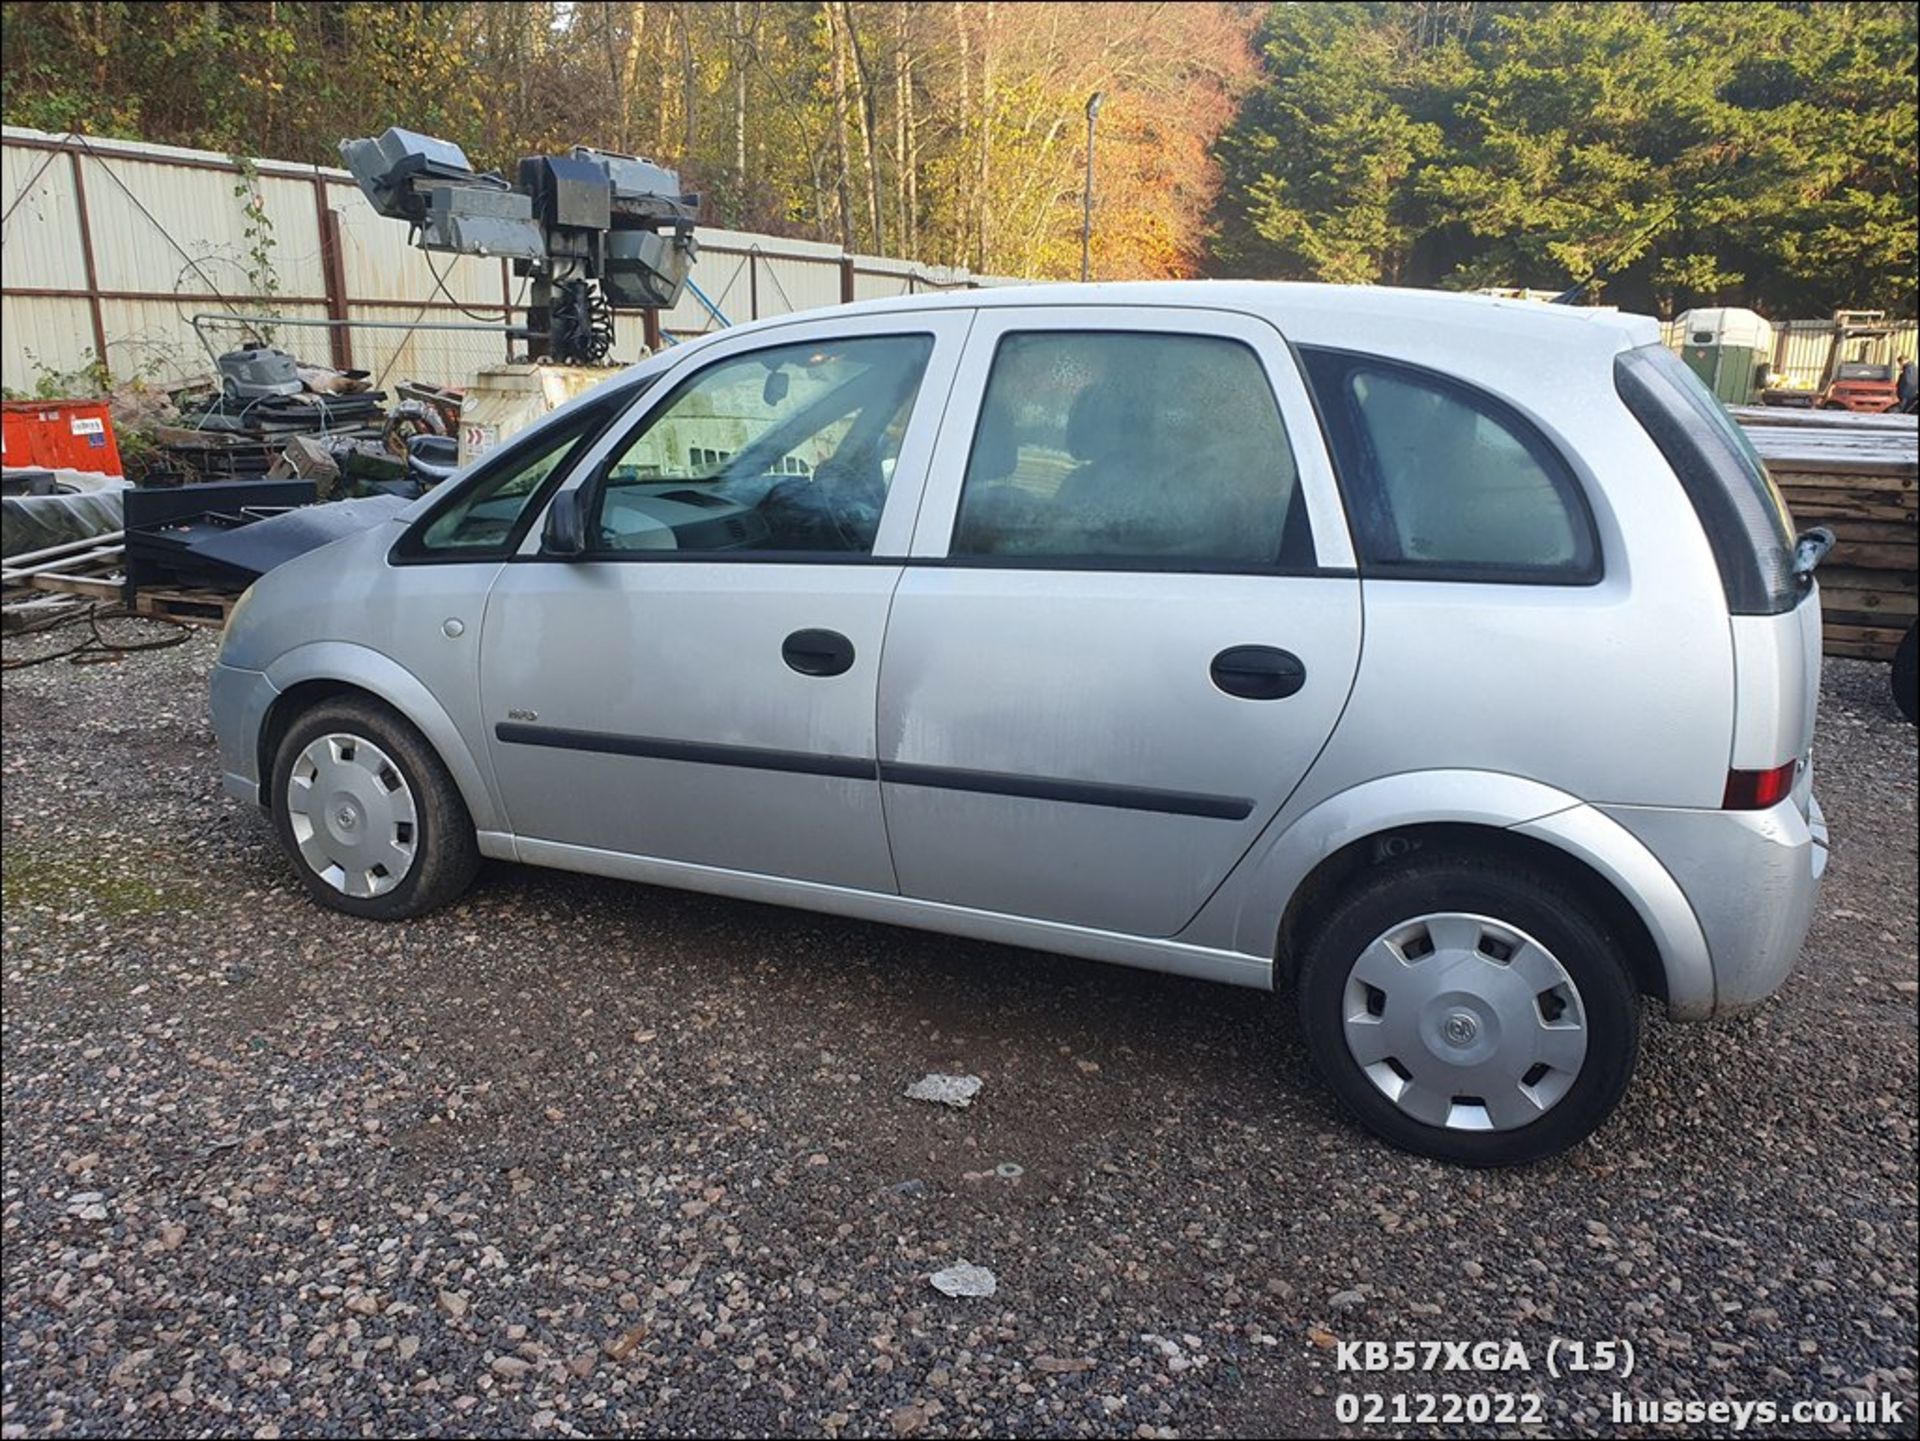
(1671, 153)
(948, 133)
(1318, 159)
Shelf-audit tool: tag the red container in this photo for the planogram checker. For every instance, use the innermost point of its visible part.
(60, 435)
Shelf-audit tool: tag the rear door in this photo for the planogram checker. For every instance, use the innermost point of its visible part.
(1129, 623)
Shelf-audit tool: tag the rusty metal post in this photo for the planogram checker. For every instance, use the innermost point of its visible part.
(333, 278)
(86, 255)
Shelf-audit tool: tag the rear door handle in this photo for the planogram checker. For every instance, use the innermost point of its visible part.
(1258, 672)
(818, 652)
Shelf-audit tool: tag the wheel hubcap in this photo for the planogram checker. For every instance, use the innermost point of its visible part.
(353, 815)
(1465, 1022)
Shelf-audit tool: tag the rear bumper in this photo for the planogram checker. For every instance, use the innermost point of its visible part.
(238, 701)
(1752, 878)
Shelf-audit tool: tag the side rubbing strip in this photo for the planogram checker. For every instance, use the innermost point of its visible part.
(749, 757)
(1083, 793)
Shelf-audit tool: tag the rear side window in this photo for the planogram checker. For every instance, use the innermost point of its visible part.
(1744, 517)
(1130, 449)
(1446, 482)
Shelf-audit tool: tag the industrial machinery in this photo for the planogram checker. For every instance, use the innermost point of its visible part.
(1861, 385)
(1857, 375)
(593, 231)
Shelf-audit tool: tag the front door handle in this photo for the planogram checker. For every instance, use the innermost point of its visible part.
(1258, 672)
(818, 652)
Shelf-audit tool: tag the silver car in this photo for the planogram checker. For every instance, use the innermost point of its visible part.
(1447, 661)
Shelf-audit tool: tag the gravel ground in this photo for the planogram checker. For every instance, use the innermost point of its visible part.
(580, 1157)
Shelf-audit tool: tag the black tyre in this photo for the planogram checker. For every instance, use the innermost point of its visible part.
(1475, 1012)
(1906, 680)
(368, 813)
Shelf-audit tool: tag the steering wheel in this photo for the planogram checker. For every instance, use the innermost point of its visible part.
(836, 507)
(853, 490)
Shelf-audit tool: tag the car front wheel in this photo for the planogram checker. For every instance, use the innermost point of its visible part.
(1471, 1012)
(372, 821)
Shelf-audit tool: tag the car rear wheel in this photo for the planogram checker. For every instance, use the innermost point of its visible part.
(1475, 1013)
(372, 821)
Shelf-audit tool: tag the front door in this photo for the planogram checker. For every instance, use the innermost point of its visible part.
(1130, 623)
(700, 685)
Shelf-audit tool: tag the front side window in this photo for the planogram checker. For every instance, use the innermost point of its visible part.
(1107, 446)
(486, 518)
(787, 449)
(1448, 482)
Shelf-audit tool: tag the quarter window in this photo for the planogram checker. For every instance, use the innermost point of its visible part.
(1116, 447)
(791, 448)
(1447, 482)
(485, 518)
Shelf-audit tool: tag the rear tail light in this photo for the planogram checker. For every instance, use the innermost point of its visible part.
(1758, 790)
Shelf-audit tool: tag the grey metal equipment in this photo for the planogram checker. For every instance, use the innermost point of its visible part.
(256, 371)
(591, 229)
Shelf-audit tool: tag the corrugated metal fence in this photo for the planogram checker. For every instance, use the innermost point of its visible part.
(109, 248)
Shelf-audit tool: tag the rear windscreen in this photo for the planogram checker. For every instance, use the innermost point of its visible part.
(1745, 519)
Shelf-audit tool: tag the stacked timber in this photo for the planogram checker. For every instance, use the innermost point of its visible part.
(1856, 475)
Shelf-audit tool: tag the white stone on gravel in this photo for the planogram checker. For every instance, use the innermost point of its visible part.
(964, 1279)
(955, 1091)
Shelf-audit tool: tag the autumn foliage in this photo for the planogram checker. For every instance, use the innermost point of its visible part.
(948, 132)
(1669, 154)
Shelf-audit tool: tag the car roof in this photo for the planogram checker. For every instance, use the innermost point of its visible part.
(1312, 312)
(1544, 358)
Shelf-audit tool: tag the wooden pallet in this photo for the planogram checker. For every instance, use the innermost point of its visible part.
(188, 607)
(90, 568)
(94, 569)
(1865, 487)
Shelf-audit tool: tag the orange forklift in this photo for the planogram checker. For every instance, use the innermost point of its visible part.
(1859, 374)
(1861, 385)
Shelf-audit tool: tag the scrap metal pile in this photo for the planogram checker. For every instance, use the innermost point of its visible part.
(245, 460)
(253, 449)
(186, 552)
(264, 399)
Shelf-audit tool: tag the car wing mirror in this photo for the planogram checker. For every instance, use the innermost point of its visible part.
(1809, 550)
(565, 532)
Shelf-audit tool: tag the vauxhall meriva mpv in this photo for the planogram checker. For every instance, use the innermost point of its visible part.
(1448, 661)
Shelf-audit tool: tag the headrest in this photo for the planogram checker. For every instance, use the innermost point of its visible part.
(994, 452)
(1097, 420)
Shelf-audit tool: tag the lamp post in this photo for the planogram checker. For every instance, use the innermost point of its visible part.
(1086, 218)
